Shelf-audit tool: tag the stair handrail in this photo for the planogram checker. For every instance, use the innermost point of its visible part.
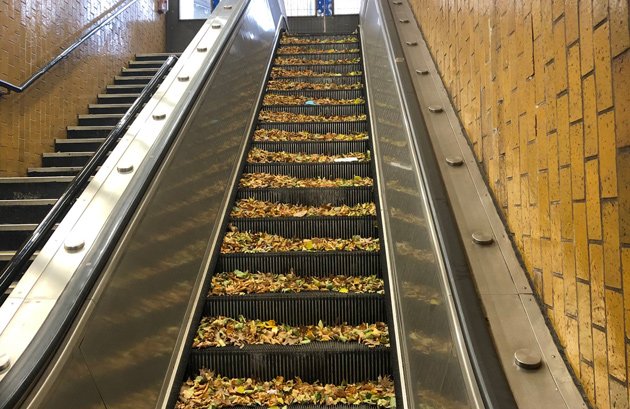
(80, 181)
(29, 81)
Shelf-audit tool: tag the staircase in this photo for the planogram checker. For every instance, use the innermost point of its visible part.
(25, 201)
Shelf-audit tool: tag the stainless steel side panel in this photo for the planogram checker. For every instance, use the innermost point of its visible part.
(129, 337)
(434, 366)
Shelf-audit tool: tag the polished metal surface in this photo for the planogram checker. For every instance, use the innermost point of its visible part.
(482, 238)
(527, 359)
(150, 289)
(433, 363)
(514, 317)
(454, 161)
(101, 209)
(323, 25)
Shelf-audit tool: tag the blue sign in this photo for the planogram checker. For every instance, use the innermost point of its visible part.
(215, 3)
(324, 7)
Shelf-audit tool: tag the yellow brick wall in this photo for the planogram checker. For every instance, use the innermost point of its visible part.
(31, 34)
(542, 88)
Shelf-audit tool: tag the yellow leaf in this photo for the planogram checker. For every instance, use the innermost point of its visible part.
(343, 290)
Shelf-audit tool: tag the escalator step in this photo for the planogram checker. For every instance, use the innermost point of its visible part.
(345, 170)
(310, 196)
(347, 127)
(320, 147)
(338, 227)
(327, 110)
(24, 211)
(313, 263)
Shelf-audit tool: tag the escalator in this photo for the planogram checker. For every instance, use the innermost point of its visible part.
(297, 298)
(276, 233)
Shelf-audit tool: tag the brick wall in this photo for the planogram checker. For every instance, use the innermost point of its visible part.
(32, 33)
(542, 88)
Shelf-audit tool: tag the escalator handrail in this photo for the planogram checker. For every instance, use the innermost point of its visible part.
(43, 230)
(43, 70)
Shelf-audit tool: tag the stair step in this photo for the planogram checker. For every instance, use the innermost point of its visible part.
(155, 56)
(20, 188)
(124, 89)
(24, 211)
(139, 79)
(99, 119)
(100, 131)
(146, 64)
(109, 108)
(12, 236)
(139, 71)
(78, 145)
(54, 171)
(66, 159)
(128, 98)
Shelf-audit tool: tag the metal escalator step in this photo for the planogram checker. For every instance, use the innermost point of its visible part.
(64, 159)
(78, 145)
(20, 188)
(345, 170)
(327, 110)
(128, 98)
(327, 362)
(335, 68)
(54, 171)
(324, 57)
(311, 263)
(331, 79)
(155, 56)
(338, 227)
(318, 127)
(319, 93)
(99, 119)
(24, 211)
(139, 71)
(89, 131)
(321, 147)
(126, 79)
(124, 89)
(109, 108)
(311, 196)
(302, 308)
(321, 46)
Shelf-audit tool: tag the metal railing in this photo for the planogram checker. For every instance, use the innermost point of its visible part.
(78, 184)
(23, 86)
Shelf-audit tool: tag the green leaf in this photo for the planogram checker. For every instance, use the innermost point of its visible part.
(241, 274)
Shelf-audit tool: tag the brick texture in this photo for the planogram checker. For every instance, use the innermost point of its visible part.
(542, 89)
(31, 34)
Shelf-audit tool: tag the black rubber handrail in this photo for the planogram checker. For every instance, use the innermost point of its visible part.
(22, 87)
(44, 229)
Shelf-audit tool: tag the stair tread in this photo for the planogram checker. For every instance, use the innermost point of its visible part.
(97, 116)
(66, 154)
(104, 106)
(131, 95)
(90, 127)
(27, 202)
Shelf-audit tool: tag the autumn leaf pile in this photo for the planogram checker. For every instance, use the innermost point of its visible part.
(223, 331)
(284, 117)
(268, 180)
(279, 72)
(261, 242)
(275, 99)
(213, 391)
(312, 61)
(243, 282)
(257, 155)
(295, 49)
(307, 40)
(259, 208)
(273, 135)
(289, 85)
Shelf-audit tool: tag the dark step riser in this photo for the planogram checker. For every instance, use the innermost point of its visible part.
(311, 227)
(23, 214)
(304, 170)
(124, 90)
(312, 197)
(77, 147)
(60, 161)
(326, 110)
(96, 121)
(318, 127)
(131, 80)
(87, 133)
(53, 172)
(107, 110)
(114, 99)
(337, 69)
(309, 263)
